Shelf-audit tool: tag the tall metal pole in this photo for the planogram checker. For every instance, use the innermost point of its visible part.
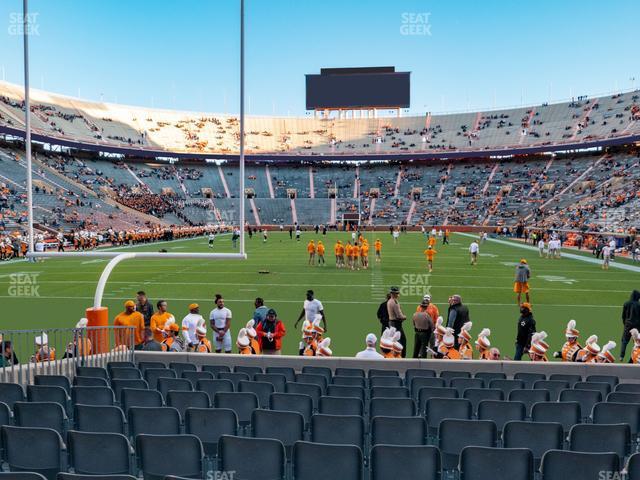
(27, 120)
(241, 127)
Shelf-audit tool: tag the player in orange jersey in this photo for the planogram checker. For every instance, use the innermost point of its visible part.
(320, 249)
(429, 253)
(311, 248)
(364, 254)
(378, 248)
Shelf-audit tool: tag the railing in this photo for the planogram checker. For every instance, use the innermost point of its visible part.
(58, 351)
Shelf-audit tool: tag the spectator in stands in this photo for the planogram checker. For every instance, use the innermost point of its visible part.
(494, 354)
(149, 343)
(457, 315)
(526, 328)
(630, 320)
(8, 356)
(144, 307)
(270, 333)
(129, 318)
(370, 352)
(383, 314)
(396, 317)
(81, 344)
(423, 327)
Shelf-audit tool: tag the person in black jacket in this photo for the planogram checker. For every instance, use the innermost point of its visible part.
(383, 314)
(526, 329)
(630, 320)
(457, 315)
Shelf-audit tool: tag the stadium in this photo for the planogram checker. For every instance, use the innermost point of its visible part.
(362, 288)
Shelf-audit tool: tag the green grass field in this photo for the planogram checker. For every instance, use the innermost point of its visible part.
(561, 289)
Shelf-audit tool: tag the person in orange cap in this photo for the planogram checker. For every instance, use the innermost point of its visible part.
(429, 253)
(521, 280)
(311, 249)
(377, 246)
(204, 345)
(320, 249)
(129, 318)
(172, 341)
(190, 323)
(571, 347)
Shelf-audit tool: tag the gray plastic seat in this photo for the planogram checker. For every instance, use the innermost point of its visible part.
(390, 392)
(144, 366)
(310, 389)
(602, 387)
(209, 424)
(125, 373)
(462, 384)
(153, 374)
(194, 376)
(53, 381)
(311, 378)
(341, 406)
(166, 385)
(449, 375)
(566, 377)
(211, 387)
(278, 380)
(628, 387)
(134, 397)
(501, 412)
(95, 372)
(119, 364)
(378, 372)
(392, 407)
(385, 382)
(33, 449)
(248, 369)
(560, 465)
(153, 421)
(92, 396)
(181, 367)
(119, 385)
(601, 438)
(360, 382)
(77, 476)
(412, 462)
(586, 398)
(537, 437)
(25, 476)
(288, 372)
(182, 400)
(216, 369)
(350, 372)
(612, 380)
(345, 391)
(93, 453)
(553, 386)
(416, 383)
(426, 393)
(11, 393)
(455, 434)
(488, 376)
(507, 386)
(412, 373)
(529, 378)
(267, 457)
(314, 370)
(565, 413)
(529, 397)
(288, 427)
(152, 451)
(633, 467)
(234, 377)
(437, 409)
(398, 431)
(310, 461)
(480, 463)
(293, 402)
(79, 381)
(623, 397)
(611, 413)
(40, 415)
(91, 418)
(48, 393)
(262, 390)
(477, 395)
(338, 430)
(243, 403)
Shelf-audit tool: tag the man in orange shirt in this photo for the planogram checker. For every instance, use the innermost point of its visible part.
(311, 248)
(378, 248)
(338, 249)
(432, 241)
(355, 253)
(129, 318)
(347, 253)
(159, 319)
(320, 253)
(364, 254)
(429, 253)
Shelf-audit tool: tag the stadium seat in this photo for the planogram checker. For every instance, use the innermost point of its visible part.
(560, 465)
(181, 367)
(119, 385)
(602, 387)
(417, 461)
(53, 381)
(135, 397)
(209, 424)
(611, 413)
(529, 397)
(488, 376)
(92, 396)
(385, 382)
(288, 427)
(263, 391)
(182, 400)
(376, 372)
(349, 381)
(46, 393)
(418, 382)
(448, 375)
(553, 386)
(612, 380)
(89, 382)
(216, 369)
(601, 438)
(413, 373)
(390, 392)
(426, 393)
(565, 377)
(5, 419)
(144, 366)
(310, 378)
(96, 372)
(341, 406)
(462, 384)
(153, 374)
(293, 402)
(454, 435)
(529, 378)
(40, 415)
(25, 476)
(288, 372)
(350, 372)
(125, 373)
(338, 430)
(249, 370)
(565, 413)
(77, 476)
(501, 412)
(33, 450)
(152, 451)
(345, 391)
(165, 385)
(507, 386)
(623, 397)
(93, 453)
(586, 398)
(633, 467)
(211, 387)
(252, 458)
(310, 461)
(477, 395)
(479, 463)
(278, 380)
(392, 407)
(243, 403)
(312, 390)
(153, 421)
(107, 419)
(122, 364)
(324, 371)
(628, 387)
(398, 431)
(194, 376)
(234, 377)
(11, 393)
(437, 409)
(537, 437)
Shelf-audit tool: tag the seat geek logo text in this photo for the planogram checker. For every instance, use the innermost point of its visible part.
(415, 24)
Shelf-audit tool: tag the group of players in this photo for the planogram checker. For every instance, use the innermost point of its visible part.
(352, 255)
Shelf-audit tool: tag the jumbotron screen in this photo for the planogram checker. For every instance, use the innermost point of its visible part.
(375, 87)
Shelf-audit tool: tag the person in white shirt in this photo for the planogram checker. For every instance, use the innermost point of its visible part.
(310, 308)
(220, 320)
(396, 235)
(606, 257)
(612, 247)
(473, 252)
(370, 351)
(541, 247)
(212, 237)
(189, 325)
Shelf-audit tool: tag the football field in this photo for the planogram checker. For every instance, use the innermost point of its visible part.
(55, 293)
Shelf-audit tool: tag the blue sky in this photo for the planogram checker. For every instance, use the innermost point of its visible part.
(183, 54)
